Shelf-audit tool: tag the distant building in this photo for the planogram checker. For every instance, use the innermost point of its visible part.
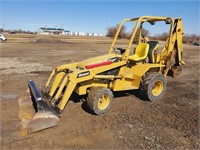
(46, 31)
(82, 33)
(60, 31)
(66, 33)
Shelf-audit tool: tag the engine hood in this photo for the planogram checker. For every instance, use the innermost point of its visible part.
(98, 59)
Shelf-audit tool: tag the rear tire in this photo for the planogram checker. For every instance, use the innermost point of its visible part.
(154, 86)
(99, 100)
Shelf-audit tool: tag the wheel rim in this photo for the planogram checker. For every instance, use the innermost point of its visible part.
(157, 88)
(103, 102)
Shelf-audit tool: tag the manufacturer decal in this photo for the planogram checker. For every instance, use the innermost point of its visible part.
(83, 74)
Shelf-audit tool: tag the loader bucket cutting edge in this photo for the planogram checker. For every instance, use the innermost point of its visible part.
(34, 112)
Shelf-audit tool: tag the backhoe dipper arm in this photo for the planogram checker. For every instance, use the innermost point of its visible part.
(179, 44)
(173, 48)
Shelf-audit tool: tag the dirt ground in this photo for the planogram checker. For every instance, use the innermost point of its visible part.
(132, 123)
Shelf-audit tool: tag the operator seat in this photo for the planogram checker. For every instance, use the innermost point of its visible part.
(153, 45)
(141, 53)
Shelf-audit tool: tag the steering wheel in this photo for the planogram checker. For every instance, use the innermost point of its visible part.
(121, 50)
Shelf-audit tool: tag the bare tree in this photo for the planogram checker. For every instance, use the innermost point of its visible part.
(190, 38)
(187, 38)
(111, 31)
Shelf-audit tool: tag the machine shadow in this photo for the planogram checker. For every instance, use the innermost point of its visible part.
(137, 93)
(83, 98)
(77, 99)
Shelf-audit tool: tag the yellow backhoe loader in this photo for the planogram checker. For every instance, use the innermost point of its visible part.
(119, 70)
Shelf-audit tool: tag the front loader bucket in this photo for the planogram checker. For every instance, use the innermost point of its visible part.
(34, 112)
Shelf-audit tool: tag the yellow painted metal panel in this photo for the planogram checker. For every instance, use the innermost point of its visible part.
(82, 88)
(98, 59)
(141, 69)
(68, 91)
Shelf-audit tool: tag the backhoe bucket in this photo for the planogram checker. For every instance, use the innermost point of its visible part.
(175, 71)
(34, 112)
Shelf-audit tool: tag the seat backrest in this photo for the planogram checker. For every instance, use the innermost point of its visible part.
(152, 46)
(142, 50)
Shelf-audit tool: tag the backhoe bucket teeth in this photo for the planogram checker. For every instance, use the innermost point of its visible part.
(175, 71)
(34, 112)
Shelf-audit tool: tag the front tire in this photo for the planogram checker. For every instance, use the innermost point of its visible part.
(99, 100)
(154, 86)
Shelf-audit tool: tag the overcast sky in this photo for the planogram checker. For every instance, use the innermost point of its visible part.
(90, 16)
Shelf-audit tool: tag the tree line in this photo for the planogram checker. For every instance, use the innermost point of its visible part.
(15, 31)
(187, 38)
